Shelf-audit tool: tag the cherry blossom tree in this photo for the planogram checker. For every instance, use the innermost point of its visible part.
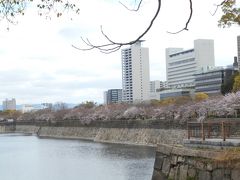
(217, 106)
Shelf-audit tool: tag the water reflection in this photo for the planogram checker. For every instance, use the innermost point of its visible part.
(27, 157)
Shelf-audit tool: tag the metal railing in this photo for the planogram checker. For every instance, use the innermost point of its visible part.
(220, 128)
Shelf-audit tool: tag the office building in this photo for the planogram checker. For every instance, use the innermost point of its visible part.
(9, 104)
(105, 97)
(211, 81)
(176, 93)
(164, 85)
(135, 73)
(27, 108)
(113, 96)
(154, 86)
(181, 65)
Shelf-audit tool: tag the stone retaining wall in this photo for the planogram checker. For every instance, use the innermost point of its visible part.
(183, 163)
(68, 132)
(7, 129)
(141, 136)
(2, 129)
(30, 129)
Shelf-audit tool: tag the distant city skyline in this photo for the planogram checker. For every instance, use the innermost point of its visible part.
(39, 65)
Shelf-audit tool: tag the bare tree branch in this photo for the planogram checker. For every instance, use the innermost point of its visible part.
(188, 21)
(113, 46)
(139, 5)
(217, 6)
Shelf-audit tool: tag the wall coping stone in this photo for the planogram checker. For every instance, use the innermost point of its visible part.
(183, 151)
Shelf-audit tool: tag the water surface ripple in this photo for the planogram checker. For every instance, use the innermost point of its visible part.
(31, 158)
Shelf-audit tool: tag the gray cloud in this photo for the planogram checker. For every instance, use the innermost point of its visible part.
(31, 87)
(75, 85)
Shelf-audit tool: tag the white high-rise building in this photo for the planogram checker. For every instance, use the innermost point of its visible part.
(135, 73)
(182, 64)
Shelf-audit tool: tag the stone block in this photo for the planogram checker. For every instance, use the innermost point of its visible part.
(227, 174)
(209, 167)
(222, 174)
(180, 151)
(221, 165)
(166, 166)
(200, 165)
(191, 161)
(214, 165)
(158, 162)
(204, 175)
(183, 172)
(218, 174)
(235, 174)
(158, 175)
(164, 149)
(174, 160)
(180, 159)
(174, 173)
(191, 172)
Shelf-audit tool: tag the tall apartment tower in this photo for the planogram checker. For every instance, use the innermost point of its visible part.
(238, 51)
(9, 104)
(135, 73)
(181, 65)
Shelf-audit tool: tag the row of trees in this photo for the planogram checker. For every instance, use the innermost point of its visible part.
(179, 109)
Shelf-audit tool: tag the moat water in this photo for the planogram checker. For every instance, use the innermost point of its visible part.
(30, 158)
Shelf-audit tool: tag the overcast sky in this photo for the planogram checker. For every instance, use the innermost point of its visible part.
(38, 63)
